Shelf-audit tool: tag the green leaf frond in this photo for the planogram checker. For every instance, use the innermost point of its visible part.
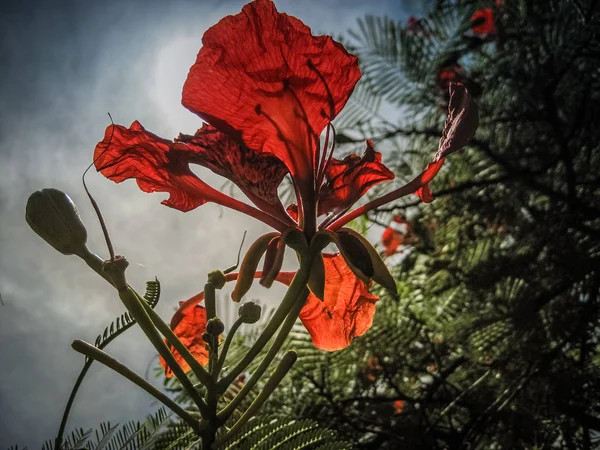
(130, 436)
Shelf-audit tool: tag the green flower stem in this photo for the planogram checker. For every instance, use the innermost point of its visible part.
(287, 304)
(226, 345)
(138, 312)
(199, 371)
(95, 263)
(95, 353)
(144, 311)
(281, 371)
(273, 350)
(210, 301)
(63, 423)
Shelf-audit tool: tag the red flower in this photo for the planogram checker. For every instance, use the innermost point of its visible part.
(395, 235)
(345, 312)
(482, 21)
(189, 324)
(452, 73)
(269, 89)
(398, 406)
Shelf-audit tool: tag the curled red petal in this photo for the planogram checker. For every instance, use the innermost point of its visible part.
(461, 123)
(263, 77)
(349, 179)
(425, 194)
(346, 311)
(482, 21)
(258, 175)
(158, 165)
(188, 324)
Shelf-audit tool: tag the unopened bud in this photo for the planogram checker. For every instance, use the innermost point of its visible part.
(217, 279)
(250, 312)
(54, 217)
(207, 337)
(215, 327)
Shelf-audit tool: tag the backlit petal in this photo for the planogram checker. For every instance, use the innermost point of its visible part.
(258, 175)
(188, 324)
(158, 165)
(349, 179)
(346, 311)
(262, 77)
(424, 192)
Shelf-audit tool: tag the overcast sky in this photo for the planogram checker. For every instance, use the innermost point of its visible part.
(63, 66)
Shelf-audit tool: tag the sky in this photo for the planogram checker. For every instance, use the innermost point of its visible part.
(64, 66)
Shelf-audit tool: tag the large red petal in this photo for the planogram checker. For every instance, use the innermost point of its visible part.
(349, 179)
(188, 324)
(346, 311)
(262, 76)
(158, 165)
(258, 175)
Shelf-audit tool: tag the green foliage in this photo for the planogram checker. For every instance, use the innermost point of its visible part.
(270, 433)
(130, 436)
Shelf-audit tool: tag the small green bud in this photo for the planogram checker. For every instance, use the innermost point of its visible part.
(250, 312)
(217, 279)
(54, 217)
(215, 327)
(207, 337)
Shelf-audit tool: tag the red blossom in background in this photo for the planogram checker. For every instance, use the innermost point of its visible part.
(452, 73)
(482, 21)
(398, 406)
(268, 97)
(395, 235)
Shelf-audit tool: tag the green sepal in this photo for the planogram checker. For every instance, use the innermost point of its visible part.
(381, 273)
(316, 281)
(347, 254)
(275, 253)
(273, 261)
(249, 265)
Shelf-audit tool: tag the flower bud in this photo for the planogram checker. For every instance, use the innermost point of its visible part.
(207, 337)
(217, 279)
(215, 327)
(54, 217)
(250, 312)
